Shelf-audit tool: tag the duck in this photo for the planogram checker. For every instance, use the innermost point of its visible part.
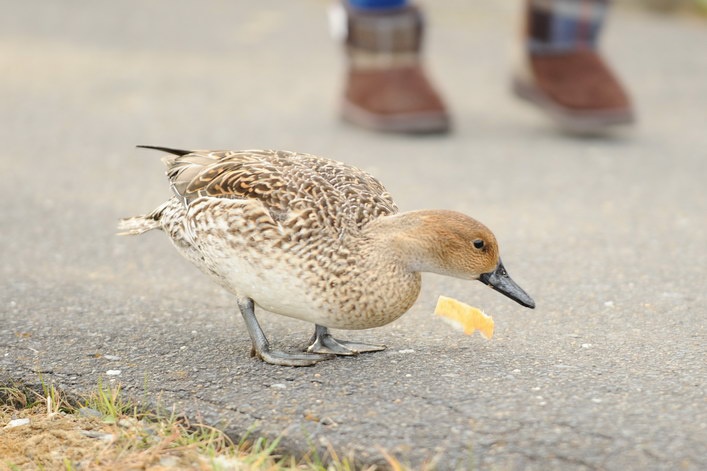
(313, 239)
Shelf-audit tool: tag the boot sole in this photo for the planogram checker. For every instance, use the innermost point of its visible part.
(588, 122)
(412, 123)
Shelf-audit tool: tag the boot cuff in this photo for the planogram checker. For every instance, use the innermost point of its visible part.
(386, 31)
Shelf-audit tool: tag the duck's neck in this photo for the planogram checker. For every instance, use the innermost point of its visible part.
(410, 240)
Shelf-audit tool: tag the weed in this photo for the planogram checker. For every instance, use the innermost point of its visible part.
(135, 439)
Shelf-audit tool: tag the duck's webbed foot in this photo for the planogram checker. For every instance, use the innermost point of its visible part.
(261, 346)
(323, 343)
(276, 357)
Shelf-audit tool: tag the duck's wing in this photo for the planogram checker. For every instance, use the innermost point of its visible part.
(360, 197)
(288, 184)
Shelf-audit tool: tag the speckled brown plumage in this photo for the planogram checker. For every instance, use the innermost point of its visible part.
(291, 217)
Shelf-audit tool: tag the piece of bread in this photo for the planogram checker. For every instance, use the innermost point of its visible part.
(464, 317)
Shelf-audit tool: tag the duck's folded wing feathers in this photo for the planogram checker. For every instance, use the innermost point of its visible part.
(283, 182)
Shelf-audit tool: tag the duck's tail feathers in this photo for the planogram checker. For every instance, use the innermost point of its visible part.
(169, 150)
(138, 224)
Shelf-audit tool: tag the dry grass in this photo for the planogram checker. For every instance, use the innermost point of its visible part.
(104, 432)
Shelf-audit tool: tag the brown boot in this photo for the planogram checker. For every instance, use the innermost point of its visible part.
(562, 72)
(577, 90)
(386, 86)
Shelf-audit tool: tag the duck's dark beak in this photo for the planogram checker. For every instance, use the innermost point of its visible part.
(501, 282)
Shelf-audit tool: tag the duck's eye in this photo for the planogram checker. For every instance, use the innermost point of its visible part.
(479, 244)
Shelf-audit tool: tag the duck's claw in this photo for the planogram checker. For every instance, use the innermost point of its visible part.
(323, 343)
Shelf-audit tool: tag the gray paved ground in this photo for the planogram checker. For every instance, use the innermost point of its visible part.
(608, 235)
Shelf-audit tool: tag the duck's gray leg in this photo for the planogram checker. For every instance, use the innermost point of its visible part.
(322, 342)
(261, 346)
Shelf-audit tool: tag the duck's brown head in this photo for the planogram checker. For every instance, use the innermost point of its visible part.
(454, 244)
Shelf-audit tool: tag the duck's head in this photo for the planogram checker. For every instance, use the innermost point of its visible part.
(454, 244)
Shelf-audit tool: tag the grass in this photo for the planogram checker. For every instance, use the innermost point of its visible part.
(103, 431)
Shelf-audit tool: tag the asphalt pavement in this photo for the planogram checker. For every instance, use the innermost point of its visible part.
(608, 235)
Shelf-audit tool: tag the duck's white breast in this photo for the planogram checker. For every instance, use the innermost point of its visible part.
(248, 262)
